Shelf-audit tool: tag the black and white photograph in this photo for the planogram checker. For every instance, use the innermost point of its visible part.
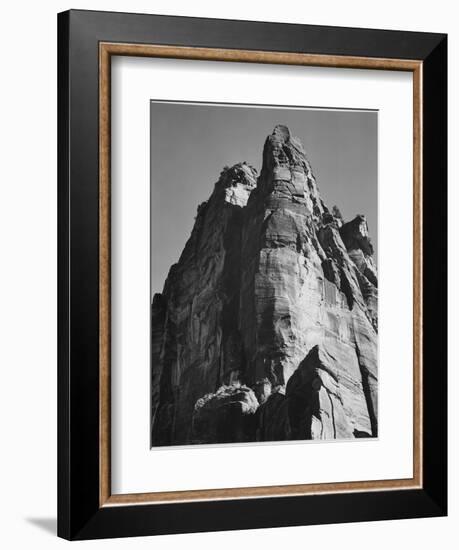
(264, 285)
(230, 253)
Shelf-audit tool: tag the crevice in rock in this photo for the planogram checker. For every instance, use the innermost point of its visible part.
(369, 274)
(365, 374)
(346, 288)
(332, 412)
(360, 434)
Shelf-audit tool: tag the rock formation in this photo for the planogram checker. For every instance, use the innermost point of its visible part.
(266, 329)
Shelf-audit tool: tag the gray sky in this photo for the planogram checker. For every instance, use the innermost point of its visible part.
(191, 143)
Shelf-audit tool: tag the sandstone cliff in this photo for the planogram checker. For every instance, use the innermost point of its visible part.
(267, 326)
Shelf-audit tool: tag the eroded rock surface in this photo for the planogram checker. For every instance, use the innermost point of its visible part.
(267, 326)
(226, 416)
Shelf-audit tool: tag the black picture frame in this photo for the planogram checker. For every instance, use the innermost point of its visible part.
(80, 515)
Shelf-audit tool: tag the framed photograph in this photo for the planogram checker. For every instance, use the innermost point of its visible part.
(252, 274)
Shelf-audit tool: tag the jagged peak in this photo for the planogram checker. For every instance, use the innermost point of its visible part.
(236, 183)
(240, 173)
(282, 149)
(286, 171)
(355, 235)
(282, 132)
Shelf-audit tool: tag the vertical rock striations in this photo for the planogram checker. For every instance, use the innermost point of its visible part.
(196, 343)
(267, 326)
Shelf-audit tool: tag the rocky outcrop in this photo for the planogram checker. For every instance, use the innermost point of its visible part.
(267, 326)
(226, 416)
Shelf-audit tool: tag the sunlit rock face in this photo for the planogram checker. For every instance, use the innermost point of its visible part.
(267, 326)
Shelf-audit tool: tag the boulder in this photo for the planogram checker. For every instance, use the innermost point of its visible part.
(226, 416)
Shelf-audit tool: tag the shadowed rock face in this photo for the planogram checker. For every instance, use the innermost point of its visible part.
(225, 416)
(267, 326)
